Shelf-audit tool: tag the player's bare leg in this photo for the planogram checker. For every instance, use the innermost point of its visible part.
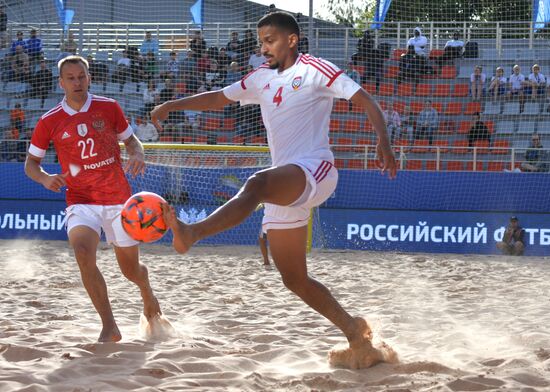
(278, 185)
(134, 271)
(84, 241)
(288, 250)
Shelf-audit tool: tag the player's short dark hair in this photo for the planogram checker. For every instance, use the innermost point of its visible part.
(281, 20)
(72, 60)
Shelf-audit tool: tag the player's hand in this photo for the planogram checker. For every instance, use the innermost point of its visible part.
(135, 165)
(54, 182)
(158, 114)
(386, 159)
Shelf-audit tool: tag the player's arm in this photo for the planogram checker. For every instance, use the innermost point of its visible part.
(383, 148)
(136, 156)
(34, 170)
(205, 101)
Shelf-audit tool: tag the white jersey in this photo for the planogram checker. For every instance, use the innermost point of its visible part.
(296, 105)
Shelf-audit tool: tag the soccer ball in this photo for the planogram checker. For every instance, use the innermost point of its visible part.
(142, 217)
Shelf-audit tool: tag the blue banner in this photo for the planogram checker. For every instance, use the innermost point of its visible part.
(196, 12)
(541, 13)
(380, 11)
(65, 15)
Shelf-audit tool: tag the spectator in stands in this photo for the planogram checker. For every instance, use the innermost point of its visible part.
(172, 69)
(149, 45)
(19, 41)
(407, 122)
(364, 45)
(203, 65)
(223, 62)
(233, 75)
(4, 38)
(34, 48)
(151, 96)
(191, 80)
(168, 93)
(69, 45)
(98, 71)
(212, 78)
(477, 83)
(257, 58)
(427, 122)
(513, 242)
(248, 121)
(410, 67)
(122, 68)
(189, 63)
(536, 159)
(419, 42)
(454, 49)
(478, 130)
(303, 43)
(17, 119)
(393, 122)
(234, 45)
(20, 65)
(498, 83)
(536, 83)
(198, 44)
(516, 82)
(145, 130)
(248, 46)
(42, 83)
(151, 68)
(352, 73)
(12, 149)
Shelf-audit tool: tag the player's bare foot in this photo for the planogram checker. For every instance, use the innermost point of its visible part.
(361, 353)
(183, 239)
(151, 307)
(109, 334)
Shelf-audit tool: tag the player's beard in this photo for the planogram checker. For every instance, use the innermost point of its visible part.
(274, 65)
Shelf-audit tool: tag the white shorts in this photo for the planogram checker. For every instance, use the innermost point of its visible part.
(99, 217)
(321, 180)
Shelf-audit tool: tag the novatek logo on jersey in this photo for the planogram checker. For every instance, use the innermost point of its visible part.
(297, 82)
(82, 129)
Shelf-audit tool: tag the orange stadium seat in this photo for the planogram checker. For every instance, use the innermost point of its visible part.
(363, 141)
(211, 124)
(421, 146)
(423, 90)
(470, 166)
(495, 166)
(347, 142)
(442, 90)
(464, 126)
(187, 139)
(399, 107)
(341, 106)
(438, 106)
(201, 139)
(501, 147)
(258, 140)
(166, 139)
(356, 164)
(237, 140)
(455, 165)
(383, 105)
(414, 164)
(352, 126)
(442, 144)
(334, 125)
(447, 127)
(339, 163)
(416, 107)
(431, 165)
(392, 71)
(370, 88)
(448, 72)
(472, 107)
(357, 108)
(405, 89)
(482, 146)
(386, 89)
(367, 126)
(461, 90)
(229, 124)
(372, 164)
(491, 126)
(435, 53)
(401, 143)
(460, 147)
(397, 53)
(222, 139)
(454, 108)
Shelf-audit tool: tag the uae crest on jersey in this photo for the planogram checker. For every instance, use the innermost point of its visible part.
(82, 129)
(297, 82)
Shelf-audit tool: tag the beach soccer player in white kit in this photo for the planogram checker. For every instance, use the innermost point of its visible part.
(295, 92)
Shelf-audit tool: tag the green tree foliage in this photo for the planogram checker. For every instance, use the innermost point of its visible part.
(351, 12)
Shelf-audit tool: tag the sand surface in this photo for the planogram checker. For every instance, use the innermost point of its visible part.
(459, 323)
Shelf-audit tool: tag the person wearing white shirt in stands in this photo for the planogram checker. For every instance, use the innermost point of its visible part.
(498, 83)
(295, 92)
(419, 42)
(516, 82)
(477, 81)
(257, 59)
(393, 122)
(454, 49)
(537, 82)
(145, 130)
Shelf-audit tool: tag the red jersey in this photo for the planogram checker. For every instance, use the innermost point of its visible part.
(86, 143)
